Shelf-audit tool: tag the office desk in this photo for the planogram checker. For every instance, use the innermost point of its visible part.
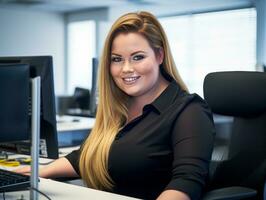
(66, 123)
(63, 191)
(73, 130)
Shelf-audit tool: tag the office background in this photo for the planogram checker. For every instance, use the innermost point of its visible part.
(206, 35)
(50, 28)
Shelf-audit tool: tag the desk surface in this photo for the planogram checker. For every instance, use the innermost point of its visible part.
(66, 123)
(63, 191)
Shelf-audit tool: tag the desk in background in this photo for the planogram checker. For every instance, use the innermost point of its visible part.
(72, 129)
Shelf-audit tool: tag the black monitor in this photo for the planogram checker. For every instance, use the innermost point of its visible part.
(14, 102)
(93, 95)
(39, 66)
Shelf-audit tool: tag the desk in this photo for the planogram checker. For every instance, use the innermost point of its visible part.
(63, 191)
(73, 130)
(66, 123)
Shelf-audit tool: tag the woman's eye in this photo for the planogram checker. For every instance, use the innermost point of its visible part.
(138, 57)
(116, 59)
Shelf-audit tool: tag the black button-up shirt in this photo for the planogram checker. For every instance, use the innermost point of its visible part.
(168, 147)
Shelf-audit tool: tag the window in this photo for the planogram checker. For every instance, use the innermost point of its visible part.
(215, 41)
(81, 48)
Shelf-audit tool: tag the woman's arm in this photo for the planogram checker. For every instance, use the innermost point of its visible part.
(192, 142)
(59, 168)
(173, 195)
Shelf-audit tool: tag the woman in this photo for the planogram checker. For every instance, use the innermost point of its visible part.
(151, 139)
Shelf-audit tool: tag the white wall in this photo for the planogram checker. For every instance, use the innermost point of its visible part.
(26, 33)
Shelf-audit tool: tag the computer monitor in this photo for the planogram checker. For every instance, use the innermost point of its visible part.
(14, 102)
(39, 66)
(93, 94)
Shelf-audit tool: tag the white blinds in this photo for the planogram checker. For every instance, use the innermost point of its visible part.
(214, 41)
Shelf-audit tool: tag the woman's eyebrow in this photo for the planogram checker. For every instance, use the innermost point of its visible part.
(115, 54)
(133, 53)
(136, 52)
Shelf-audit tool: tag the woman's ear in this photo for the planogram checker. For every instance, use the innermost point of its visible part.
(160, 56)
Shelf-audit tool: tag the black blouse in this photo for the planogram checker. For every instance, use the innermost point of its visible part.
(168, 147)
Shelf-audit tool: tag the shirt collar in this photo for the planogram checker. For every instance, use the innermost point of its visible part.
(165, 98)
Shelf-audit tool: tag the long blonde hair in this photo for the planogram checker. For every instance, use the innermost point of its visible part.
(112, 106)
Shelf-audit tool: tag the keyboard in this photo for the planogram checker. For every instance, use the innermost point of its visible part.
(11, 181)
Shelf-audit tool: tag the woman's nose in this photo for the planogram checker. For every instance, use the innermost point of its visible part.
(127, 67)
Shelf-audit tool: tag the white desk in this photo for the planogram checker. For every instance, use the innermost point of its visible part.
(73, 130)
(63, 191)
(66, 123)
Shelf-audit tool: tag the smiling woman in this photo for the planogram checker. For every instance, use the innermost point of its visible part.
(151, 138)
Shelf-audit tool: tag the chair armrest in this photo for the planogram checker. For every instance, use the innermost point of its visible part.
(230, 193)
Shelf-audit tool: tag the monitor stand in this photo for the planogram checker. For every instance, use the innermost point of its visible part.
(35, 136)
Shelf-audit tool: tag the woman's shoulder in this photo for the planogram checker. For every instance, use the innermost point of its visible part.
(191, 102)
(195, 105)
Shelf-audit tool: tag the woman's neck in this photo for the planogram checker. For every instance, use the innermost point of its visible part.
(137, 103)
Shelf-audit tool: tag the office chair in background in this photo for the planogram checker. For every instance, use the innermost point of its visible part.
(243, 96)
(79, 100)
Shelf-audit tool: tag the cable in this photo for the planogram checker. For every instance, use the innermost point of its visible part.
(45, 195)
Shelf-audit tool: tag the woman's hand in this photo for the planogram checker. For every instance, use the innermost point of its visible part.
(27, 170)
(23, 170)
(58, 168)
(173, 195)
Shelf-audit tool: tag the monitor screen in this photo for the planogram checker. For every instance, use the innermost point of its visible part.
(14, 102)
(93, 96)
(39, 66)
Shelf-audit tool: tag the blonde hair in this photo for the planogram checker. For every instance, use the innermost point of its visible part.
(112, 106)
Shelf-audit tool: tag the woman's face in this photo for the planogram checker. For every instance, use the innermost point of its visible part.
(134, 65)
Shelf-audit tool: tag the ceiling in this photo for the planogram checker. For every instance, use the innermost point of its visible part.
(76, 5)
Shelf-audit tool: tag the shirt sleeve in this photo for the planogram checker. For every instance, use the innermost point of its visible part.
(192, 142)
(73, 158)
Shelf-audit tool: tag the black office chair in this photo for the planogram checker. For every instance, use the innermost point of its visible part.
(243, 96)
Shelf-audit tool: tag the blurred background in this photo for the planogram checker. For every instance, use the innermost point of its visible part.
(205, 35)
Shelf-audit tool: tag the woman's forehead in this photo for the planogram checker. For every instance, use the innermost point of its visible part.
(129, 42)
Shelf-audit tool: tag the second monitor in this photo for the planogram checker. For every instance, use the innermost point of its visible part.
(39, 66)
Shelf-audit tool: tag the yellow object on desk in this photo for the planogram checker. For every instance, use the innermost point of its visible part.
(9, 163)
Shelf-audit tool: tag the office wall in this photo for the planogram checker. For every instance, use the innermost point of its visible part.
(24, 33)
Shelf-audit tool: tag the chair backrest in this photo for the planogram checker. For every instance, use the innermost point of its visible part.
(243, 96)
